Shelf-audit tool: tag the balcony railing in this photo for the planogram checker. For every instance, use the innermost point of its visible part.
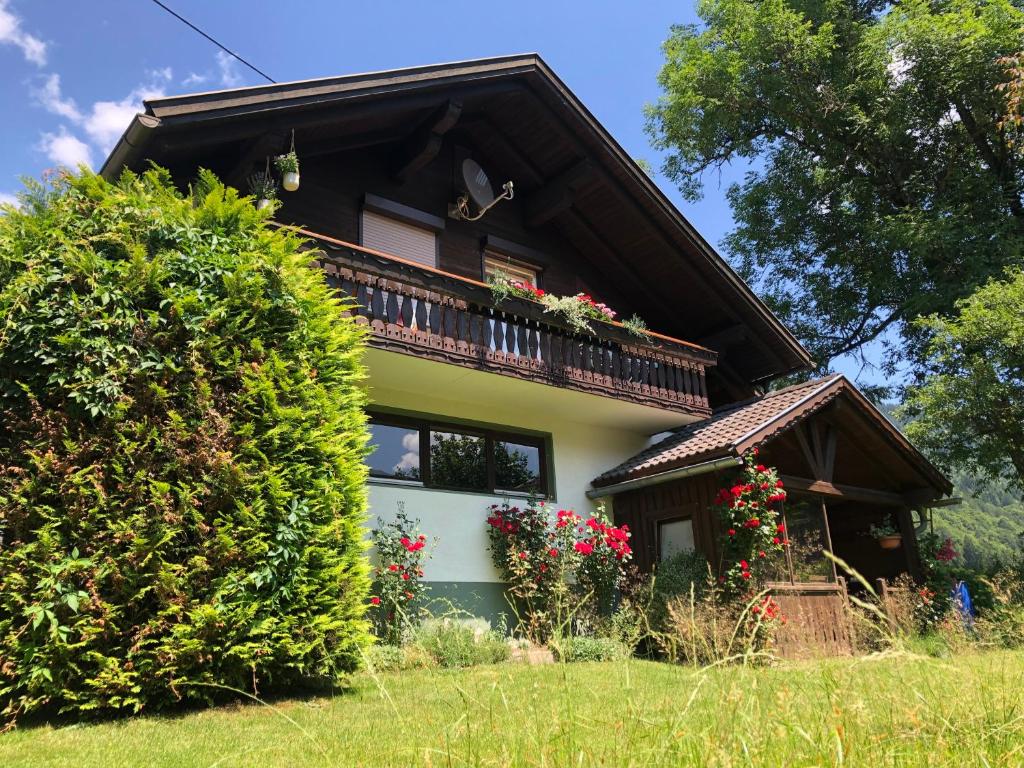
(425, 312)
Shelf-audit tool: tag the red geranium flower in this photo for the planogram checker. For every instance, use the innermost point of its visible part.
(374, 600)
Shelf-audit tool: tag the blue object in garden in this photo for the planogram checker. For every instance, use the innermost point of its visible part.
(962, 599)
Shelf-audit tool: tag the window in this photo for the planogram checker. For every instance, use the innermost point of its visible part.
(495, 264)
(674, 536)
(457, 457)
(397, 238)
(458, 460)
(395, 451)
(517, 466)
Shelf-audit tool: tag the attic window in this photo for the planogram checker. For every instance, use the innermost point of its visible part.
(496, 264)
(399, 238)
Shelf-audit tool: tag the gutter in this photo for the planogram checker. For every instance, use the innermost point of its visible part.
(130, 146)
(664, 477)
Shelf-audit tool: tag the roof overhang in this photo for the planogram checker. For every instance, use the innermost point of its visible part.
(762, 432)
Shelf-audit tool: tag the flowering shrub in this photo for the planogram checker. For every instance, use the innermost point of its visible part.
(537, 554)
(576, 310)
(400, 556)
(605, 552)
(754, 534)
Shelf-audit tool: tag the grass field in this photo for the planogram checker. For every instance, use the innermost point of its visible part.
(877, 712)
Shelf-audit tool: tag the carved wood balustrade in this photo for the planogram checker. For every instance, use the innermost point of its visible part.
(428, 313)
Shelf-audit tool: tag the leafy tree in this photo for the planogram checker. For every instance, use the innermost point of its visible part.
(968, 410)
(882, 186)
(181, 453)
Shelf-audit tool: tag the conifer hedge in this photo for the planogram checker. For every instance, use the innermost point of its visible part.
(181, 452)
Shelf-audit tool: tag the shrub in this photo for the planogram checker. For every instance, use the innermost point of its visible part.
(538, 555)
(397, 578)
(754, 537)
(575, 649)
(397, 658)
(182, 488)
(461, 642)
(1003, 623)
(715, 628)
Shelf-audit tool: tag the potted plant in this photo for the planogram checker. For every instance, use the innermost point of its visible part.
(263, 187)
(887, 535)
(288, 166)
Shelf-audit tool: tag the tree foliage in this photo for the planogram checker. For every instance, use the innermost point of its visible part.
(882, 185)
(181, 478)
(968, 409)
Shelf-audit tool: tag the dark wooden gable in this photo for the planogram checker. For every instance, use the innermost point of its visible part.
(581, 202)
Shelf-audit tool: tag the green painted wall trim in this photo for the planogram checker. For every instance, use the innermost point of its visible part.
(483, 599)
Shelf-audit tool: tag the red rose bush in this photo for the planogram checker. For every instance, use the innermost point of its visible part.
(401, 553)
(556, 564)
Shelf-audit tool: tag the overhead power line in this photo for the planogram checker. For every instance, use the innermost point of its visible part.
(216, 42)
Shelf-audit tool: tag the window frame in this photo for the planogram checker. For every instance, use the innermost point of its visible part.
(489, 254)
(490, 434)
(684, 518)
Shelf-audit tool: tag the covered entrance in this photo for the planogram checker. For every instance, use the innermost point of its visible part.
(848, 471)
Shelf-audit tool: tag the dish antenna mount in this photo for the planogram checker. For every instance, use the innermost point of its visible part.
(478, 191)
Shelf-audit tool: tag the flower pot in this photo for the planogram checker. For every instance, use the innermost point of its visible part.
(290, 180)
(890, 542)
(262, 203)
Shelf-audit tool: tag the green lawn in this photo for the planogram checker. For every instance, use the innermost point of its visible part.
(894, 711)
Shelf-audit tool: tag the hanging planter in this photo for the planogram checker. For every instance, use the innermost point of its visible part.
(887, 536)
(288, 166)
(263, 187)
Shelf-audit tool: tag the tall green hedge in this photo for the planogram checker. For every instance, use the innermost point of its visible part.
(181, 452)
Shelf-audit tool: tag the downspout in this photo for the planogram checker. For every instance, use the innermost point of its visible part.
(664, 477)
(130, 146)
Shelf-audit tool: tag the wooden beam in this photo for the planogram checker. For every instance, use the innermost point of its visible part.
(851, 492)
(557, 195)
(828, 464)
(808, 452)
(425, 142)
(253, 156)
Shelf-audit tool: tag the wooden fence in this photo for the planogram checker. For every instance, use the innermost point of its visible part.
(817, 620)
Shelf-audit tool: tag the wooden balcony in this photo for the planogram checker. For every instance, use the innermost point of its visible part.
(417, 310)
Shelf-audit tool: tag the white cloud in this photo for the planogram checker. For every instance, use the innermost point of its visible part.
(11, 33)
(6, 198)
(194, 79)
(228, 67)
(63, 148)
(411, 459)
(50, 97)
(104, 121)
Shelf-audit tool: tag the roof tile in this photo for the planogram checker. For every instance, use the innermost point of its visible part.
(714, 436)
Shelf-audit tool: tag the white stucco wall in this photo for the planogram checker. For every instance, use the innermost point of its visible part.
(581, 452)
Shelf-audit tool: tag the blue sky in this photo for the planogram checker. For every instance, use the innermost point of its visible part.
(75, 72)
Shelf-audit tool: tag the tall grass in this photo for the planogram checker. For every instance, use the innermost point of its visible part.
(894, 710)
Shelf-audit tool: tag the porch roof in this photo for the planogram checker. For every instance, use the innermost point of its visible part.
(735, 429)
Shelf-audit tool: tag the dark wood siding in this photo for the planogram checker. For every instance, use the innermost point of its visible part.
(692, 497)
(333, 188)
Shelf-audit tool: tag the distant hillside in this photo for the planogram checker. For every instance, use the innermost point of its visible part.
(987, 527)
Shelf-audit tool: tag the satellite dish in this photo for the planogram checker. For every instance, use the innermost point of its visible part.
(479, 191)
(478, 186)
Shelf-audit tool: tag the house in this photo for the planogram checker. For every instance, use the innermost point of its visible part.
(474, 401)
